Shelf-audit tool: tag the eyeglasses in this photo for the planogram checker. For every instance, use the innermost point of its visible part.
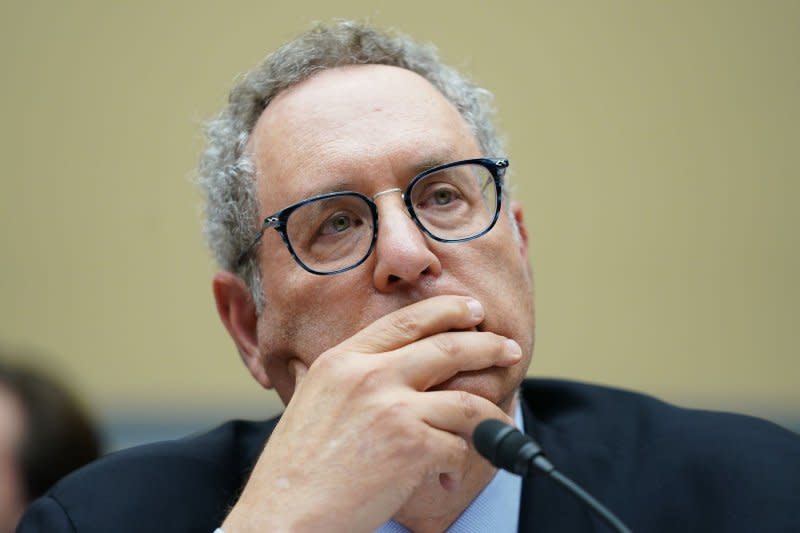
(335, 232)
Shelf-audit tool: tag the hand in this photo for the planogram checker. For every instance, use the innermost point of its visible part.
(363, 431)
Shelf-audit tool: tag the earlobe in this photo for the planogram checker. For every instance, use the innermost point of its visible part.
(238, 313)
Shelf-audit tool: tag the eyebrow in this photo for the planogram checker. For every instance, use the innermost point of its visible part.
(429, 163)
(348, 184)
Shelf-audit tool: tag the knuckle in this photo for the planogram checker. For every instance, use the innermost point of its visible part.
(495, 344)
(421, 441)
(369, 378)
(455, 452)
(468, 404)
(326, 363)
(401, 433)
(409, 446)
(367, 381)
(395, 411)
(493, 338)
(342, 369)
(445, 343)
(406, 323)
(501, 343)
(461, 448)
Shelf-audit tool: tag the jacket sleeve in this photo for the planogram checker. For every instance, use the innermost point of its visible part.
(45, 515)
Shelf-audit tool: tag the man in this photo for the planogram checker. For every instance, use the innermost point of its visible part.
(375, 274)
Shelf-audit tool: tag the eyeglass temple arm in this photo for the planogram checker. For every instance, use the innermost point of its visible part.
(269, 222)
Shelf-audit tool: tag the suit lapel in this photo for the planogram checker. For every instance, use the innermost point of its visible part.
(544, 506)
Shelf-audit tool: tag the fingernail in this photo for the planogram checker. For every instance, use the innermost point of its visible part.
(512, 348)
(475, 308)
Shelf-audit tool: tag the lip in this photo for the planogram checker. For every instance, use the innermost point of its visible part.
(447, 384)
(478, 328)
(466, 380)
(481, 383)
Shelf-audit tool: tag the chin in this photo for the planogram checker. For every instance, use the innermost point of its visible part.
(491, 383)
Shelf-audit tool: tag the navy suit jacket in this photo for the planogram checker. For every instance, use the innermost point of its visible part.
(658, 467)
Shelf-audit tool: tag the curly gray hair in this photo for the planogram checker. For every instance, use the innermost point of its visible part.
(226, 172)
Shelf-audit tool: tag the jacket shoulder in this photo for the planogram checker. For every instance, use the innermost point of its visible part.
(672, 468)
(181, 485)
(599, 413)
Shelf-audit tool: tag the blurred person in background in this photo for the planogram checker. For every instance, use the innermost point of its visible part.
(44, 434)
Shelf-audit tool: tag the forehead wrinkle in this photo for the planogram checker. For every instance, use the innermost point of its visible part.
(310, 184)
(318, 138)
(328, 96)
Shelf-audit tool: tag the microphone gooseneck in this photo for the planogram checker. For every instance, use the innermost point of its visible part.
(508, 448)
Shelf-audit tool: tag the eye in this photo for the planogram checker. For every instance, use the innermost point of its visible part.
(442, 196)
(439, 195)
(337, 224)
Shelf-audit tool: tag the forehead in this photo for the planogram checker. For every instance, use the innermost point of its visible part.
(353, 127)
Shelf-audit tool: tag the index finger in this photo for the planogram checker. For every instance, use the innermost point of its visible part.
(416, 321)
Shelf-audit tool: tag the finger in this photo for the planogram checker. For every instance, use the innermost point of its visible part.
(447, 454)
(297, 369)
(435, 359)
(416, 321)
(457, 412)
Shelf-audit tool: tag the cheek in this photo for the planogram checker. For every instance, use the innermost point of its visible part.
(504, 275)
(499, 261)
(312, 316)
(307, 317)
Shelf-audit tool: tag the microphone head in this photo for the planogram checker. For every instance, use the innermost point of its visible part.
(488, 436)
(504, 446)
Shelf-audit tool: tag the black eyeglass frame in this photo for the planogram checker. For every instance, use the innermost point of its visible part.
(496, 167)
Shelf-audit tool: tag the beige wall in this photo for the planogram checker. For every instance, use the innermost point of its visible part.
(654, 145)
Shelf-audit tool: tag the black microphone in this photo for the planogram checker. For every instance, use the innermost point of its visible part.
(508, 448)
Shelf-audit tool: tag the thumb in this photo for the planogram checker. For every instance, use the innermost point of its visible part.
(297, 369)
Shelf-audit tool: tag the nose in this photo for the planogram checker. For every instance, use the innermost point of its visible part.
(402, 255)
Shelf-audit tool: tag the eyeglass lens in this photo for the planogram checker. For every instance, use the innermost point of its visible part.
(456, 202)
(334, 233)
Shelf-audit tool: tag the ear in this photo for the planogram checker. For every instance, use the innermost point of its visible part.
(516, 212)
(237, 310)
